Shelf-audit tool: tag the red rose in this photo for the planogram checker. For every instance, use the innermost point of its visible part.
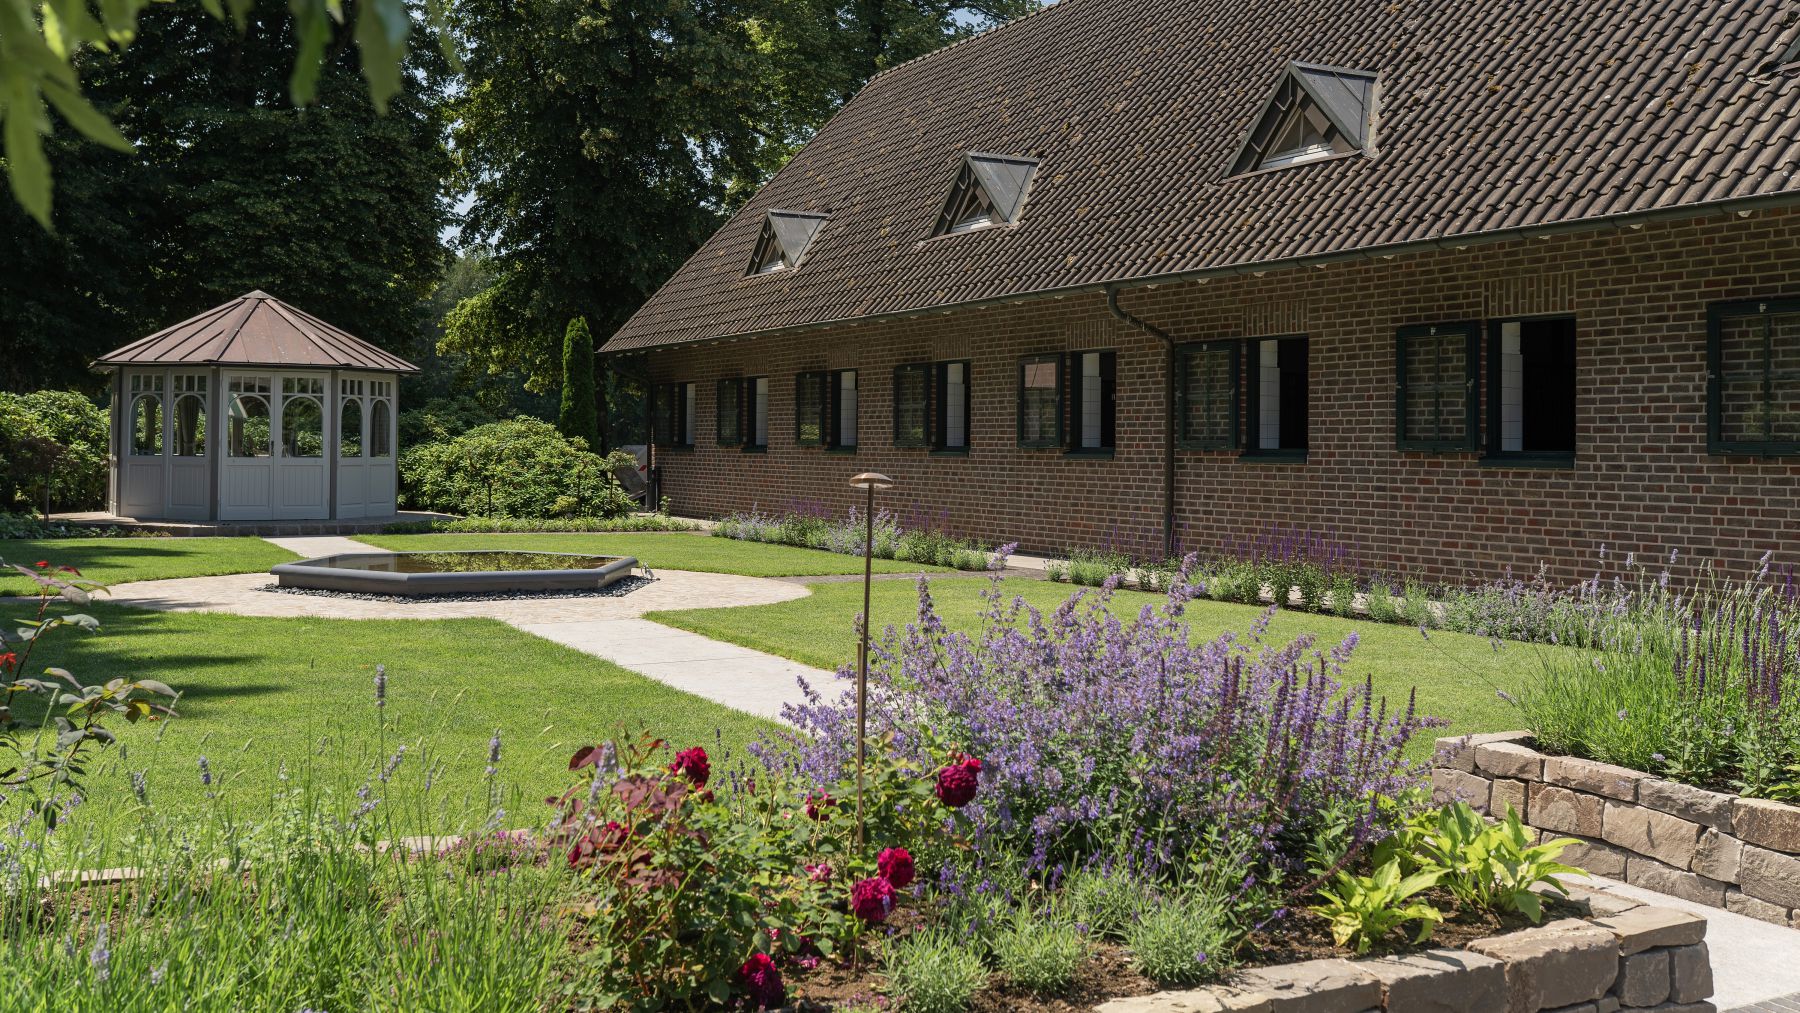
(820, 873)
(817, 803)
(693, 765)
(872, 900)
(958, 783)
(896, 866)
(762, 982)
(9, 661)
(43, 563)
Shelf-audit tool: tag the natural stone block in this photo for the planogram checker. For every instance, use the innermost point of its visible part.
(1607, 1004)
(1580, 1007)
(1595, 858)
(1507, 795)
(1769, 824)
(1697, 804)
(1691, 977)
(1654, 875)
(1684, 1007)
(1590, 776)
(1770, 875)
(1440, 981)
(1217, 999)
(1646, 928)
(1559, 964)
(1509, 759)
(1740, 903)
(1643, 978)
(1458, 751)
(1718, 856)
(1564, 811)
(1314, 986)
(1450, 785)
(1648, 832)
(1603, 903)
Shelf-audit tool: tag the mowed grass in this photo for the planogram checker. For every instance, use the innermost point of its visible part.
(1456, 675)
(119, 560)
(258, 694)
(665, 551)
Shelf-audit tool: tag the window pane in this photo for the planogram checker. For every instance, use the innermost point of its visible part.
(664, 420)
(1092, 419)
(1436, 391)
(350, 425)
(846, 409)
(380, 440)
(761, 413)
(911, 384)
(1547, 381)
(956, 406)
(190, 426)
(302, 428)
(731, 412)
(1208, 386)
(1784, 378)
(1741, 415)
(146, 426)
(249, 426)
(1039, 404)
(809, 409)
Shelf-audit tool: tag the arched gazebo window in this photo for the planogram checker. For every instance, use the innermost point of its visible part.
(379, 415)
(146, 414)
(350, 421)
(249, 417)
(302, 417)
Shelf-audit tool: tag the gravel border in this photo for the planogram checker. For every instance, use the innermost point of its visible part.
(617, 589)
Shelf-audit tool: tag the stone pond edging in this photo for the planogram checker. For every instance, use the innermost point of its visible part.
(1625, 956)
(1707, 847)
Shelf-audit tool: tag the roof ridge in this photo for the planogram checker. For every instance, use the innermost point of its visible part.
(1043, 8)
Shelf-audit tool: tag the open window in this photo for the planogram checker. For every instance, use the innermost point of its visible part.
(1279, 391)
(989, 190)
(1095, 403)
(783, 242)
(950, 408)
(1435, 399)
(1753, 378)
(1315, 112)
(844, 410)
(756, 420)
(1531, 379)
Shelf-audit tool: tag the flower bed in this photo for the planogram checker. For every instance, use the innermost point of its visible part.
(1619, 955)
(811, 527)
(1713, 848)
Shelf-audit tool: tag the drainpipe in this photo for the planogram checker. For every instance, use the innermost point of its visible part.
(1119, 312)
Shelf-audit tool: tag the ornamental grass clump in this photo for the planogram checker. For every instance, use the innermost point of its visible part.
(1094, 727)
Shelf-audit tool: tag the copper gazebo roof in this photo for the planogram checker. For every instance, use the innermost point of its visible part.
(255, 330)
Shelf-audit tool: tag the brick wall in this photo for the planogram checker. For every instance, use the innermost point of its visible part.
(1643, 480)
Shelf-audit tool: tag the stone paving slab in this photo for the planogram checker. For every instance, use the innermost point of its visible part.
(319, 546)
(1753, 962)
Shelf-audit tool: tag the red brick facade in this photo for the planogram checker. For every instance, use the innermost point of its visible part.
(1642, 481)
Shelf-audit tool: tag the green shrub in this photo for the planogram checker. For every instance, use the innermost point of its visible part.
(934, 972)
(519, 468)
(1184, 940)
(1107, 903)
(1038, 955)
(530, 525)
(52, 441)
(579, 417)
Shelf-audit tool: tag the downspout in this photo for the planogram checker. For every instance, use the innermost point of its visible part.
(1119, 312)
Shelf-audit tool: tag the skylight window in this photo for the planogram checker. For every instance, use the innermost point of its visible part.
(989, 190)
(1315, 113)
(785, 237)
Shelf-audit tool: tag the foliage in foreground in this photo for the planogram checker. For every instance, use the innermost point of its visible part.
(812, 528)
(53, 447)
(657, 522)
(521, 468)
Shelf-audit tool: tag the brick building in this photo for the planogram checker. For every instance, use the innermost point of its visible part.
(1470, 285)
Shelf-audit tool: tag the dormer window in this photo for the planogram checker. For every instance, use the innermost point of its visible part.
(784, 241)
(989, 190)
(1315, 113)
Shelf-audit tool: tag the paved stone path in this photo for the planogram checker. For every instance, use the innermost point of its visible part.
(607, 628)
(1753, 962)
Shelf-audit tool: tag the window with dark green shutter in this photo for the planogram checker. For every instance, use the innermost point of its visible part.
(1040, 401)
(912, 405)
(731, 412)
(1753, 378)
(1435, 374)
(1208, 378)
(672, 406)
(810, 404)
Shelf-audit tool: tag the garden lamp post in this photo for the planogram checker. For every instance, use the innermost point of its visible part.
(868, 481)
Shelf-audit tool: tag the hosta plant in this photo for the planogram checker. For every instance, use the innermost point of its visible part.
(1362, 910)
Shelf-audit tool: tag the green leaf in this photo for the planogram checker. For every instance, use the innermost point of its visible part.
(27, 168)
(382, 27)
(81, 115)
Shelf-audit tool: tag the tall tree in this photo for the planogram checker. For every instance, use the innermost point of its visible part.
(580, 414)
(603, 140)
(230, 188)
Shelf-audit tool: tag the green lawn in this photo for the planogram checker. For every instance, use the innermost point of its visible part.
(117, 560)
(671, 551)
(1456, 675)
(258, 692)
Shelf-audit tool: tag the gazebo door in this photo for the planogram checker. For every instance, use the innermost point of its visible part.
(246, 469)
(299, 484)
(366, 477)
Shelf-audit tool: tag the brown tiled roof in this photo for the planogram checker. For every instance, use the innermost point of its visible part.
(1494, 116)
(256, 330)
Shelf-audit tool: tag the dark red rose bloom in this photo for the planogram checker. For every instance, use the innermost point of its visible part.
(896, 866)
(958, 783)
(817, 803)
(9, 661)
(693, 765)
(762, 982)
(872, 900)
(43, 563)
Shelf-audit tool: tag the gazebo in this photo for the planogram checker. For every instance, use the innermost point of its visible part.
(310, 419)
